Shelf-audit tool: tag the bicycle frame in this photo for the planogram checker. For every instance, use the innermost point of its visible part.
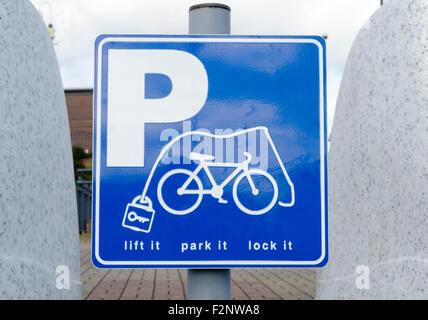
(241, 171)
(203, 165)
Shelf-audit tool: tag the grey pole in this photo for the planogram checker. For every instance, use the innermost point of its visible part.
(209, 18)
(209, 284)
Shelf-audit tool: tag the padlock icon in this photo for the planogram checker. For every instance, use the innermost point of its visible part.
(139, 215)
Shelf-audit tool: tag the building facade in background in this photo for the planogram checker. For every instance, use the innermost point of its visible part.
(79, 108)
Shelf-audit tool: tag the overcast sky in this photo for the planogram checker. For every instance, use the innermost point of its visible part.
(79, 22)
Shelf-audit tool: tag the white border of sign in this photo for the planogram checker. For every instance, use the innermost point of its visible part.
(255, 263)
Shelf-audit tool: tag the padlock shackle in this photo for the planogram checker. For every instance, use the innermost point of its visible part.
(145, 201)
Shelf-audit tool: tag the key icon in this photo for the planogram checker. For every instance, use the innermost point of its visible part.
(132, 216)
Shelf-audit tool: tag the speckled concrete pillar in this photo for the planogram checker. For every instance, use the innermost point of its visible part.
(38, 215)
(378, 162)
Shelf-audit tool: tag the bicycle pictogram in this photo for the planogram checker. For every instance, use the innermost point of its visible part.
(241, 172)
(181, 191)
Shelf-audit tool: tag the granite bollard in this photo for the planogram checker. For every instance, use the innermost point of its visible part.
(39, 241)
(378, 162)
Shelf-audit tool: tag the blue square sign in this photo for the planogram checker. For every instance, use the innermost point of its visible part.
(209, 152)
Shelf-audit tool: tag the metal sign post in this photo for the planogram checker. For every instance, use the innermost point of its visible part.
(209, 18)
(209, 284)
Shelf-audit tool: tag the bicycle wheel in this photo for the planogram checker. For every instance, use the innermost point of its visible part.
(170, 184)
(262, 201)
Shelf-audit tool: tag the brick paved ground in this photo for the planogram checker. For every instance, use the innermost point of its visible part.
(160, 284)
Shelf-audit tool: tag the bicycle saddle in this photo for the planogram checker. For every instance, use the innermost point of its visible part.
(200, 157)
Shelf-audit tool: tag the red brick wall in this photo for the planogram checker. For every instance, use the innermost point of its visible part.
(79, 107)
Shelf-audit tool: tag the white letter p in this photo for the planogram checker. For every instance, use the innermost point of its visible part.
(129, 108)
